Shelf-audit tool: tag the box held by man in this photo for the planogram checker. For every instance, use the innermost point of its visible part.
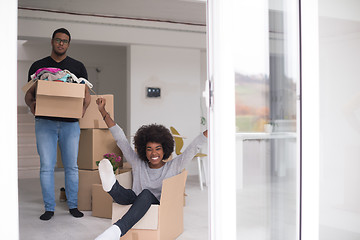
(59, 99)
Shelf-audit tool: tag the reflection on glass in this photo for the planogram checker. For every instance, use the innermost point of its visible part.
(252, 102)
(251, 66)
(266, 84)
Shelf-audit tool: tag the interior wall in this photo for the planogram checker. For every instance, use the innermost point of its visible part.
(177, 72)
(339, 127)
(106, 66)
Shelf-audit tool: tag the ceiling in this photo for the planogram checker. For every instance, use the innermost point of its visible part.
(186, 11)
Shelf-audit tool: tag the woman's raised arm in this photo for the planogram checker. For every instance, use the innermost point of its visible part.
(101, 102)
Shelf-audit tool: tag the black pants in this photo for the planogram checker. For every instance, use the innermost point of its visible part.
(140, 205)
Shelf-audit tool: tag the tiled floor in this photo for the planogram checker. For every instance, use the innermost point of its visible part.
(65, 227)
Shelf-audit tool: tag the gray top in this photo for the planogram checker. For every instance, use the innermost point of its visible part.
(145, 177)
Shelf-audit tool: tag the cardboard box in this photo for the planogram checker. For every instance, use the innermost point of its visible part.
(94, 144)
(125, 177)
(127, 165)
(102, 201)
(86, 179)
(149, 221)
(59, 99)
(28, 85)
(169, 215)
(92, 117)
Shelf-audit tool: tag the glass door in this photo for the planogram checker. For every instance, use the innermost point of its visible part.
(254, 71)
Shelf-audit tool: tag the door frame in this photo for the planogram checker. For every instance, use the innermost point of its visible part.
(222, 191)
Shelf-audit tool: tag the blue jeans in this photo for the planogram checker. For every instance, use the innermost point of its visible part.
(140, 205)
(48, 134)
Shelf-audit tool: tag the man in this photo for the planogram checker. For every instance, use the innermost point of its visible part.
(51, 131)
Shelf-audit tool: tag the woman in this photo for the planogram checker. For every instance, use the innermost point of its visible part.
(154, 144)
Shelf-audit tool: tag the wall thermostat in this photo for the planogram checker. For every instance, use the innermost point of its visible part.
(153, 92)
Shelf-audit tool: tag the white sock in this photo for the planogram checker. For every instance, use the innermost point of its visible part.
(112, 233)
(107, 175)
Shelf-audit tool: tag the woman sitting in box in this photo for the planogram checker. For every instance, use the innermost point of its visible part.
(154, 144)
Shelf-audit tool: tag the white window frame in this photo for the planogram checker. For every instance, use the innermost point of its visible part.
(310, 127)
(8, 138)
(222, 194)
(222, 191)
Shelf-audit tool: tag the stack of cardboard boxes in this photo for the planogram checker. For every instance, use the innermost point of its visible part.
(95, 141)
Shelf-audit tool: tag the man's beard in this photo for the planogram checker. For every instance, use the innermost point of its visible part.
(60, 54)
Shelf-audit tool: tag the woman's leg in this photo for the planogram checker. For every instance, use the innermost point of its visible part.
(140, 203)
(140, 206)
(122, 195)
(110, 185)
(112, 233)
(117, 192)
(107, 175)
(138, 209)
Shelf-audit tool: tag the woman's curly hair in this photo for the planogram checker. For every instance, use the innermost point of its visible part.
(153, 133)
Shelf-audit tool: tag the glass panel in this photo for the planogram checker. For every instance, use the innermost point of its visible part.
(266, 88)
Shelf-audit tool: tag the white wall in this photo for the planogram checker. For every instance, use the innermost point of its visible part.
(339, 127)
(342, 9)
(177, 72)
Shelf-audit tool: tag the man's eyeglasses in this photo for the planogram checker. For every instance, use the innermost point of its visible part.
(64, 41)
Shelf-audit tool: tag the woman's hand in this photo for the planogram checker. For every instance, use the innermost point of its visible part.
(101, 102)
(205, 133)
